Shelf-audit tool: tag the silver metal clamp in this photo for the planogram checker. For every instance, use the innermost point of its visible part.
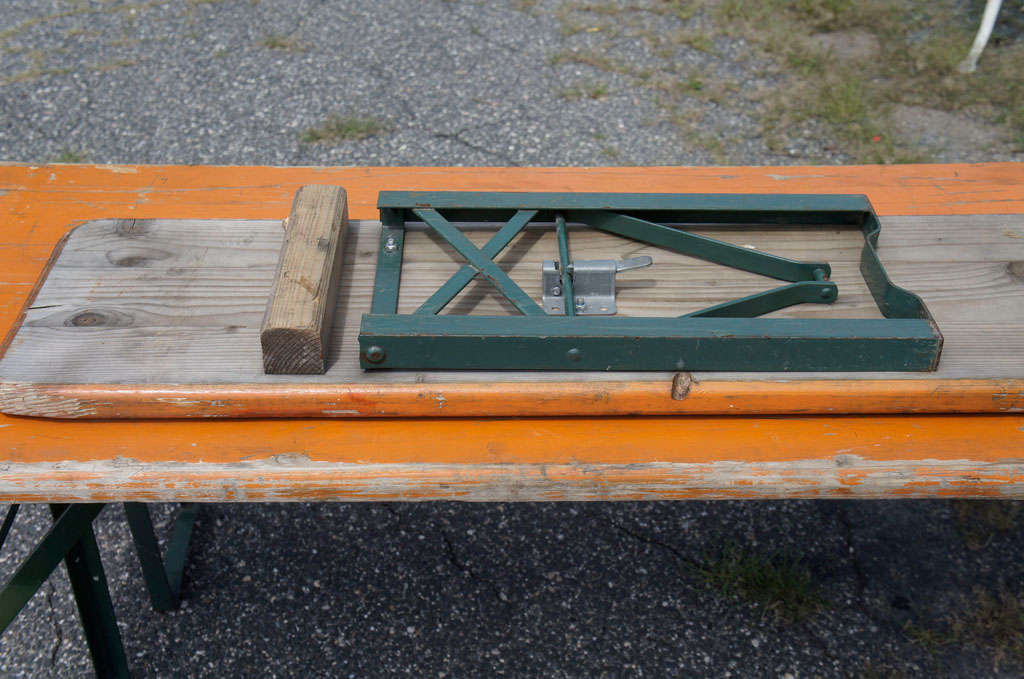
(593, 282)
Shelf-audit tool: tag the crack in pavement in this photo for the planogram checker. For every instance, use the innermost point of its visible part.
(456, 137)
(858, 570)
(453, 556)
(689, 560)
(473, 575)
(57, 631)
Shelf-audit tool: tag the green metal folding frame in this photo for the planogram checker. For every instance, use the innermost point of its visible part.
(726, 336)
(72, 540)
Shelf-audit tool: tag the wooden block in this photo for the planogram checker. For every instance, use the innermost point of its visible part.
(296, 327)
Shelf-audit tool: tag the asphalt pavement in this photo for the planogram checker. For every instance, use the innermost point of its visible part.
(889, 588)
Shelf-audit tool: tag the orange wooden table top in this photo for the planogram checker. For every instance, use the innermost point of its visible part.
(523, 458)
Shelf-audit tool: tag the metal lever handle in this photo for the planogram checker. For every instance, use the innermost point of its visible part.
(633, 263)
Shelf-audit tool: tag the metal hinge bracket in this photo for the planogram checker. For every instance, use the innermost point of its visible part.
(593, 282)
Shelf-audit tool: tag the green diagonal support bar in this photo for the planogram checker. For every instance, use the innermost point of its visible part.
(72, 525)
(446, 293)
(481, 262)
(12, 512)
(823, 292)
(701, 247)
(92, 597)
(163, 576)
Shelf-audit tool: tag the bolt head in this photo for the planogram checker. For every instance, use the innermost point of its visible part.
(573, 355)
(556, 291)
(390, 245)
(375, 354)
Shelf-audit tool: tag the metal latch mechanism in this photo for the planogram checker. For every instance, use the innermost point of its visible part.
(593, 284)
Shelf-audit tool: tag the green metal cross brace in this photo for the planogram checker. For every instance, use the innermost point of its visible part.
(480, 262)
(71, 539)
(447, 292)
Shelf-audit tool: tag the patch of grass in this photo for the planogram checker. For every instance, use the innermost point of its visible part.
(32, 74)
(276, 41)
(979, 521)
(82, 33)
(874, 670)
(782, 584)
(24, 26)
(339, 128)
(988, 621)
(843, 101)
(589, 91)
(67, 155)
(931, 640)
(853, 99)
(602, 8)
(113, 65)
(125, 42)
(600, 61)
(993, 621)
(591, 58)
(37, 70)
(697, 40)
(813, 85)
(681, 9)
(677, 8)
(711, 143)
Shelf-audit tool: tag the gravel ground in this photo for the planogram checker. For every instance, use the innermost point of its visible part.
(442, 589)
(530, 590)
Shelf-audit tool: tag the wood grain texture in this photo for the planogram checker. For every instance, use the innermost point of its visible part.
(842, 477)
(509, 399)
(173, 303)
(517, 459)
(297, 325)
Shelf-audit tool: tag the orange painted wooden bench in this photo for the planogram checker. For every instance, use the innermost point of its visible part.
(958, 433)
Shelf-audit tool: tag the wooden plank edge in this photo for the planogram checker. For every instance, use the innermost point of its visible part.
(34, 292)
(261, 192)
(528, 399)
(841, 476)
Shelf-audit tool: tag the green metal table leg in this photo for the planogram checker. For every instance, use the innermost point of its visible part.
(71, 526)
(12, 512)
(162, 581)
(89, 584)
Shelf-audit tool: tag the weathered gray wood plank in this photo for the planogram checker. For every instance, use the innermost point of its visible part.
(181, 301)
